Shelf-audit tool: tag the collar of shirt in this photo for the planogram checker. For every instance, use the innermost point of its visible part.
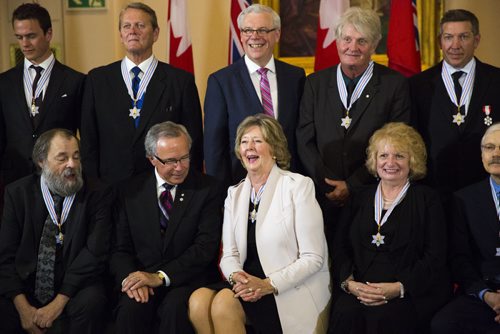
(143, 66)
(253, 67)
(495, 185)
(44, 64)
(159, 186)
(467, 68)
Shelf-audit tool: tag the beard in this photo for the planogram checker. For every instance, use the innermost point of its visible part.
(59, 184)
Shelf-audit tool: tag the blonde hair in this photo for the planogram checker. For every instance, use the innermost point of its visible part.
(404, 138)
(271, 132)
(366, 22)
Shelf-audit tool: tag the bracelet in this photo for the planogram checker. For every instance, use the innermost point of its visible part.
(230, 278)
(345, 286)
(401, 290)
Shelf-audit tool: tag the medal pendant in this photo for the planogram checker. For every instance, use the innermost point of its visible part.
(60, 237)
(346, 121)
(378, 239)
(135, 112)
(34, 109)
(458, 119)
(253, 215)
(488, 121)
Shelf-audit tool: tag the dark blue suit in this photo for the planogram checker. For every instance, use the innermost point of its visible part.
(230, 98)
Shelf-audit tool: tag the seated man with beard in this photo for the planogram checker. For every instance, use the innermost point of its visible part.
(54, 239)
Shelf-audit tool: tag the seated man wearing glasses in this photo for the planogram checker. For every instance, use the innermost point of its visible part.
(167, 235)
(257, 83)
(475, 250)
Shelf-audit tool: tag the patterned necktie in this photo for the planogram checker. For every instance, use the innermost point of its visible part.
(135, 88)
(44, 280)
(265, 91)
(166, 202)
(457, 85)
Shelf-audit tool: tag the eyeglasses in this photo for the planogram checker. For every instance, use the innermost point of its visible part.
(489, 148)
(173, 162)
(260, 31)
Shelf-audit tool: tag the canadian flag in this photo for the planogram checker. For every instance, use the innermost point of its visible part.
(403, 48)
(235, 48)
(326, 48)
(181, 51)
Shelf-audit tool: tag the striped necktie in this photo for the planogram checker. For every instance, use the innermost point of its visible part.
(265, 91)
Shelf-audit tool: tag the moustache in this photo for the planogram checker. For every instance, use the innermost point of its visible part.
(494, 161)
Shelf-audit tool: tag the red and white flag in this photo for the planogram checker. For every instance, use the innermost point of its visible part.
(403, 48)
(181, 51)
(326, 48)
(235, 48)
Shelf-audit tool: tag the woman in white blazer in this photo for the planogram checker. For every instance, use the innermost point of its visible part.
(275, 256)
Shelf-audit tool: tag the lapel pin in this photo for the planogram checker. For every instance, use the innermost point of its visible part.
(367, 95)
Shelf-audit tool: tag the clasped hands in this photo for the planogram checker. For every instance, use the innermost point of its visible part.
(374, 294)
(492, 298)
(139, 285)
(339, 194)
(250, 288)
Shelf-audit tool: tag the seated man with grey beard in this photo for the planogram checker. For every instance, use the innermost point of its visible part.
(54, 239)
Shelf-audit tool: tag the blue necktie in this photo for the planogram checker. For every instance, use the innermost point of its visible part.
(135, 88)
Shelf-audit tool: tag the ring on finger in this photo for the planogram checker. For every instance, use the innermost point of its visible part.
(250, 290)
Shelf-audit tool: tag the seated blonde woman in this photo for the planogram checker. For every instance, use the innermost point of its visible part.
(390, 252)
(274, 256)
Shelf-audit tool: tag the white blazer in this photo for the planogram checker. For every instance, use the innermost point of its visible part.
(291, 245)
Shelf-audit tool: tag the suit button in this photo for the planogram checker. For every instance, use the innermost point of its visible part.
(35, 135)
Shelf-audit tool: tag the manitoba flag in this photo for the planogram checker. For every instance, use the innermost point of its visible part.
(235, 47)
(403, 48)
(181, 51)
(326, 48)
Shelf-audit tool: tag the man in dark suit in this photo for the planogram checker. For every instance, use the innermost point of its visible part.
(54, 242)
(124, 99)
(31, 104)
(168, 230)
(234, 92)
(475, 250)
(453, 103)
(341, 108)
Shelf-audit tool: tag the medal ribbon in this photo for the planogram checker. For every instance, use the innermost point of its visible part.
(144, 81)
(28, 81)
(49, 203)
(466, 89)
(363, 81)
(379, 204)
(495, 198)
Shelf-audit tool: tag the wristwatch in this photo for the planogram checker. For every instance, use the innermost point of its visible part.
(345, 286)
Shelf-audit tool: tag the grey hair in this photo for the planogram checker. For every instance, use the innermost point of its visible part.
(42, 144)
(164, 130)
(140, 6)
(366, 21)
(489, 130)
(257, 9)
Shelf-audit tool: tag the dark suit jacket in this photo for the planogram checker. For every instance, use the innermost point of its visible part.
(454, 155)
(474, 238)
(230, 98)
(188, 251)
(60, 109)
(325, 147)
(113, 149)
(86, 239)
(417, 249)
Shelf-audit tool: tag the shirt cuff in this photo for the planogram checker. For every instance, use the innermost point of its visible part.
(482, 293)
(167, 279)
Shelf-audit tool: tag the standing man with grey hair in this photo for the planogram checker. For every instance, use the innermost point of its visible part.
(475, 250)
(37, 95)
(54, 243)
(453, 103)
(341, 108)
(168, 230)
(256, 83)
(124, 99)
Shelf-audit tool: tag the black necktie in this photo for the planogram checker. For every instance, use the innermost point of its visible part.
(38, 75)
(44, 280)
(351, 85)
(457, 85)
(166, 201)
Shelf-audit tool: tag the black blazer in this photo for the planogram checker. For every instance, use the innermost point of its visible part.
(230, 98)
(474, 238)
(454, 155)
(60, 109)
(112, 148)
(325, 148)
(86, 239)
(189, 249)
(418, 248)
